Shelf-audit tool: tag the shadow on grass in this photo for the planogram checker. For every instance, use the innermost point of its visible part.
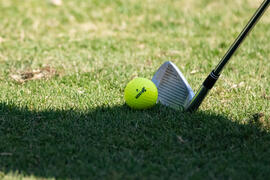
(116, 142)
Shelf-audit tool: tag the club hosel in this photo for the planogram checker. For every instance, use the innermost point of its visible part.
(202, 92)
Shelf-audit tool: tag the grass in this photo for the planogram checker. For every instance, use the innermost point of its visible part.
(75, 125)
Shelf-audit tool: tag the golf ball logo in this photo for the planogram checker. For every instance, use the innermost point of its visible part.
(140, 93)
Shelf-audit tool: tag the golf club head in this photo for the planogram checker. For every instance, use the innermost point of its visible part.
(173, 89)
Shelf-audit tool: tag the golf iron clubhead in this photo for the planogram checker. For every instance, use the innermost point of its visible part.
(173, 89)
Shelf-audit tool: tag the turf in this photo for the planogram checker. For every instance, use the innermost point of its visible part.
(75, 124)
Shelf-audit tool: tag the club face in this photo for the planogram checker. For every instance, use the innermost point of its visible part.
(173, 89)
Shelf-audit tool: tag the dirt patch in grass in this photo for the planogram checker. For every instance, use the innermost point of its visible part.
(46, 72)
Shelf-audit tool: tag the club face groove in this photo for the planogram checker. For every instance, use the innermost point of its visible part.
(173, 89)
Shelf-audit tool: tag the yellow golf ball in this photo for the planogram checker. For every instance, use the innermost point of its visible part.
(141, 93)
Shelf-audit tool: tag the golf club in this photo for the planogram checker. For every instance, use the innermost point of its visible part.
(174, 91)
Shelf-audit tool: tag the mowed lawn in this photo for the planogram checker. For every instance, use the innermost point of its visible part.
(63, 70)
